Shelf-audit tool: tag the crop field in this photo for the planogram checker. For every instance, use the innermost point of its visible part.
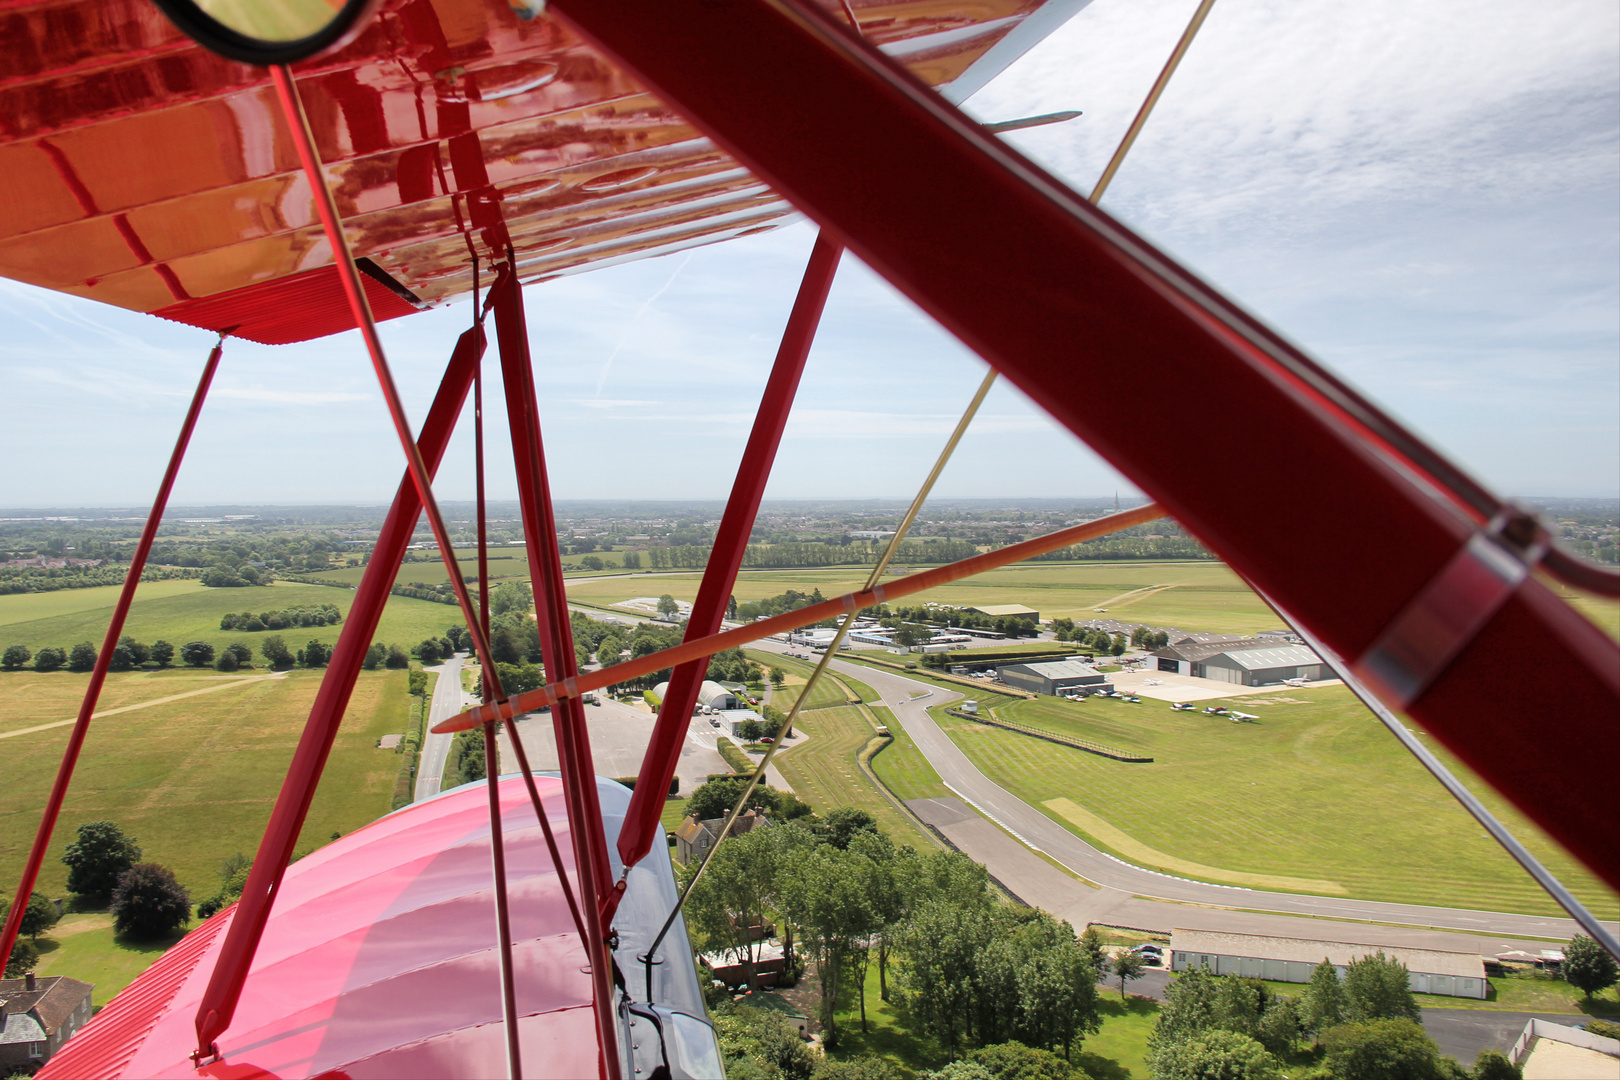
(1315, 797)
(192, 778)
(182, 611)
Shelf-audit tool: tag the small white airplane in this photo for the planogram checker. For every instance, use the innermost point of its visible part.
(1294, 682)
(1182, 706)
(1239, 717)
(1152, 682)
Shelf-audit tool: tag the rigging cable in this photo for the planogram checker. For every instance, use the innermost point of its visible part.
(1114, 163)
(98, 675)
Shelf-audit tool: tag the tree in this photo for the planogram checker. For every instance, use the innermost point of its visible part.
(512, 596)
(1377, 988)
(1012, 1060)
(375, 656)
(49, 659)
(149, 903)
(24, 957)
(778, 677)
(97, 858)
(38, 917)
(1092, 944)
(82, 657)
(1117, 646)
(731, 606)
(428, 651)
(716, 797)
(865, 1067)
(15, 657)
(609, 650)
(591, 562)
(416, 683)
(1322, 1004)
(226, 661)
(826, 899)
(315, 655)
(728, 903)
(197, 653)
(1383, 1049)
(397, 659)
(1588, 967)
(276, 653)
(943, 940)
(667, 607)
(162, 653)
(1494, 1065)
(1129, 967)
(138, 653)
(1215, 1054)
(842, 824)
(632, 560)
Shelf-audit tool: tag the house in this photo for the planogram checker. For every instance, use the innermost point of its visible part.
(694, 838)
(38, 1015)
(733, 719)
(1280, 959)
(1054, 677)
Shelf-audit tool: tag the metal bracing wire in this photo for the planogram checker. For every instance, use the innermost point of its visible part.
(1448, 780)
(98, 675)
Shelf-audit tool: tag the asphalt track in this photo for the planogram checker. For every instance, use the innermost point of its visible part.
(448, 700)
(1128, 895)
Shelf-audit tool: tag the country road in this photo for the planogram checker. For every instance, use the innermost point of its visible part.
(1130, 895)
(448, 700)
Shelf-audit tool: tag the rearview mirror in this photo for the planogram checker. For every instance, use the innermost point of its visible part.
(266, 32)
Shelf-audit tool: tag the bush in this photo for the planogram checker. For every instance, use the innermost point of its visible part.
(227, 661)
(162, 653)
(1605, 1028)
(739, 761)
(149, 903)
(82, 657)
(1493, 1065)
(760, 1042)
(24, 956)
(1015, 1061)
(1390, 1049)
(276, 653)
(397, 659)
(315, 655)
(15, 657)
(50, 659)
(97, 859)
(375, 656)
(243, 653)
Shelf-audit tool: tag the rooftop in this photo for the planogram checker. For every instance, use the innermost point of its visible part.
(1310, 951)
(1287, 656)
(1056, 669)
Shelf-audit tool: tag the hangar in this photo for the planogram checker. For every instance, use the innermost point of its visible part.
(1245, 661)
(1053, 677)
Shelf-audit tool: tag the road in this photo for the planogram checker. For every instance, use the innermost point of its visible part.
(1129, 895)
(448, 700)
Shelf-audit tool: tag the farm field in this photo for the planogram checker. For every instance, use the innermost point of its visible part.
(1315, 791)
(1187, 595)
(192, 779)
(182, 611)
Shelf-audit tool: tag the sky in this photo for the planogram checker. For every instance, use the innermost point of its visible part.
(1426, 197)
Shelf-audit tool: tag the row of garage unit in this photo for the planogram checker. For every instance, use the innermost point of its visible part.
(1257, 956)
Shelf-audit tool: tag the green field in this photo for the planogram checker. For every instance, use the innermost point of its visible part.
(192, 779)
(823, 770)
(1187, 595)
(182, 611)
(1316, 794)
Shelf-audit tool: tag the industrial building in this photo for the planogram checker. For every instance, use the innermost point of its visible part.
(1244, 661)
(710, 693)
(1280, 959)
(732, 719)
(1054, 677)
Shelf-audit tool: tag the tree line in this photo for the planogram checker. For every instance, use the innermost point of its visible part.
(1364, 1025)
(286, 618)
(132, 655)
(36, 579)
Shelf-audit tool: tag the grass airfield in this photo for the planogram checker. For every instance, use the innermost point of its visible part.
(1314, 797)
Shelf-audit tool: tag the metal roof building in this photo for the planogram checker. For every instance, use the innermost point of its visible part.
(1245, 661)
(1257, 956)
(1053, 677)
(1015, 611)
